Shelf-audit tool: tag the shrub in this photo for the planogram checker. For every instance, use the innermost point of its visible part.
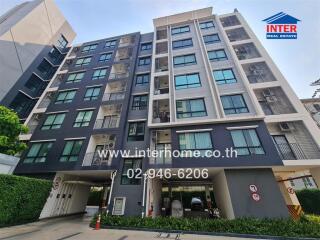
(271, 227)
(21, 198)
(309, 200)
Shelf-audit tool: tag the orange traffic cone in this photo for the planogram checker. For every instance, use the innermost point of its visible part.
(98, 223)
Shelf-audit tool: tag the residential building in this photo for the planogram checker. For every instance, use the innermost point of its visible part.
(313, 107)
(199, 82)
(34, 39)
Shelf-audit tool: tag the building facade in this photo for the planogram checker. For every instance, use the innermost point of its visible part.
(313, 107)
(199, 82)
(34, 39)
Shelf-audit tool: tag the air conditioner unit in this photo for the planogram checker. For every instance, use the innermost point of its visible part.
(286, 126)
(267, 92)
(271, 99)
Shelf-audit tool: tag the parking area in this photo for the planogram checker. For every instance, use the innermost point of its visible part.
(77, 228)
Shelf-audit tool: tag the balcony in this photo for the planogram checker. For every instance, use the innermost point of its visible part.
(57, 80)
(230, 21)
(246, 51)
(161, 64)
(115, 96)
(161, 111)
(55, 57)
(108, 116)
(126, 41)
(161, 85)
(274, 101)
(48, 98)
(97, 151)
(162, 34)
(258, 72)
(67, 64)
(162, 48)
(119, 70)
(290, 151)
(123, 54)
(237, 34)
(161, 142)
(115, 91)
(74, 52)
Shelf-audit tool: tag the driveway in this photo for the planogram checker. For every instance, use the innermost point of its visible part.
(77, 228)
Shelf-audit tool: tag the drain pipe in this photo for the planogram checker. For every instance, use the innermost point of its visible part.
(145, 177)
(113, 175)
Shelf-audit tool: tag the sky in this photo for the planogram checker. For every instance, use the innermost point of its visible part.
(298, 60)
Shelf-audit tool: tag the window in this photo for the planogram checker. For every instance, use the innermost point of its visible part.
(83, 119)
(234, 104)
(62, 42)
(224, 76)
(71, 151)
(212, 38)
(142, 79)
(46, 69)
(144, 61)
(99, 73)
(110, 44)
(139, 102)
(83, 61)
(217, 55)
(105, 57)
(65, 97)
(206, 25)
(22, 104)
(246, 142)
(200, 141)
(184, 60)
(136, 131)
(53, 121)
(317, 107)
(179, 30)
(89, 48)
(38, 152)
(191, 108)
(182, 43)
(146, 46)
(75, 77)
(92, 93)
(191, 80)
(133, 164)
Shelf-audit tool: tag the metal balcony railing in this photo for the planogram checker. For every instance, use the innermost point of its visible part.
(118, 75)
(44, 103)
(93, 159)
(290, 151)
(113, 96)
(161, 91)
(121, 58)
(107, 122)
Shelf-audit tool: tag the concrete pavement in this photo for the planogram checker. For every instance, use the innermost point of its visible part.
(77, 228)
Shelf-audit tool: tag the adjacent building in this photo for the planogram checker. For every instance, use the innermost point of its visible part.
(34, 39)
(200, 81)
(313, 107)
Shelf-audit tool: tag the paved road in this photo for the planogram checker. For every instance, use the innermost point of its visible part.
(77, 228)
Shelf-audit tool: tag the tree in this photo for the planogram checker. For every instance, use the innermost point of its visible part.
(10, 128)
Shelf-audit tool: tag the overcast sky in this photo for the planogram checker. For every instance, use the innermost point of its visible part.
(298, 60)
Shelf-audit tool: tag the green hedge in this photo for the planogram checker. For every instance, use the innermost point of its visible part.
(21, 199)
(271, 227)
(309, 200)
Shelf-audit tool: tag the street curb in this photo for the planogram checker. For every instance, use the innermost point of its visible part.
(207, 233)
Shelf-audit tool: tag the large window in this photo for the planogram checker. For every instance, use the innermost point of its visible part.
(89, 48)
(53, 121)
(99, 73)
(83, 61)
(142, 79)
(22, 104)
(234, 104)
(144, 61)
(179, 30)
(191, 80)
(65, 97)
(139, 102)
(184, 60)
(182, 43)
(217, 55)
(110, 44)
(146, 46)
(136, 131)
(212, 38)
(224, 76)
(92, 93)
(71, 151)
(62, 42)
(75, 77)
(200, 141)
(246, 142)
(38, 152)
(46, 69)
(206, 25)
(83, 118)
(191, 108)
(131, 165)
(105, 57)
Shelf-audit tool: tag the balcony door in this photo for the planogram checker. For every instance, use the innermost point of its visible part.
(284, 147)
(103, 159)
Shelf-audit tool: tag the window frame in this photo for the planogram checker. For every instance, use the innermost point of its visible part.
(193, 133)
(92, 97)
(53, 125)
(62, 43)
(112, 44)
(89, 48)
(143, 79)
(184, 63)
(71, 155)
(143, 61)
(75, 79)
(211, 41)
(217, 59)
(142, 105)
(99, 76)
(105, 59)
(81, 121)
(124, 175)
(225, 80)
(234, 108)
(204, 25)
(180, 28)
(146, 45)
(83, 62)
(43, 157)
(136, 136)
(188, 85)
(65, 99)
(181, 115)
(182, 41)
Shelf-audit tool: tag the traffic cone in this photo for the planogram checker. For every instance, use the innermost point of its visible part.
(98, 223)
